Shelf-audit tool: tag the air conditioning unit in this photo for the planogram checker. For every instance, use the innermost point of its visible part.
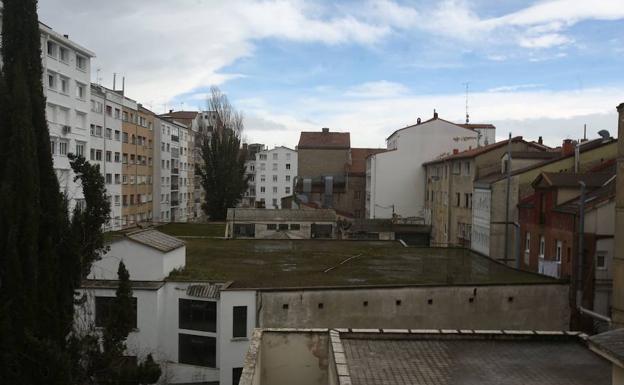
(66, 130)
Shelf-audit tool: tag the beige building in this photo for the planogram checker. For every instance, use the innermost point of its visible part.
(490, 229)
(450, 184)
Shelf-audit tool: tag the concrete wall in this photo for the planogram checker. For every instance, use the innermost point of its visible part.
(398, 178)
(144, 263)
(532, 306)
(294, 358)
(317, 162)
(480, 241)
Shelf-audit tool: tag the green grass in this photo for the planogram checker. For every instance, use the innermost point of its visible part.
(283, 263)
(194, 229)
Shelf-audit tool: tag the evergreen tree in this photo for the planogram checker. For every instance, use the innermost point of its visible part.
(222, 169)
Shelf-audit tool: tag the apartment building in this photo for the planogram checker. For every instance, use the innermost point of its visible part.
(162, 171)
(137, 163)
(66, 84)
(105, 144)
(395, 184)
(275, 174)
(450, 184)
(249, 198)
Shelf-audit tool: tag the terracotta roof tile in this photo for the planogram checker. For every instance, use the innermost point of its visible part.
(358, 159)
(331, 140)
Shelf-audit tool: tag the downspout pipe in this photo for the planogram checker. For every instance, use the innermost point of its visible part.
(581, 246)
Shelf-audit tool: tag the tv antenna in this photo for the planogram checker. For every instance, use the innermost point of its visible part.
(466, 84)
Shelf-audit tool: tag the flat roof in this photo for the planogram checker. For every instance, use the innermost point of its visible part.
(472, 359)
(293, 264)
(241, 215)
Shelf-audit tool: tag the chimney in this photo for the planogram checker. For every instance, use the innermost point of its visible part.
(171, 111)
(66, 36)
(455, 151)
(435, 114)
(618, 259)
(325, 129)
(540, 140)
(567, 148)
(418, 121)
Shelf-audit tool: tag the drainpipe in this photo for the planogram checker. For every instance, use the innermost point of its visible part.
(508, 196)
(581, 236)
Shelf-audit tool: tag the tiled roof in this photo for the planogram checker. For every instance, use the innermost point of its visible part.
(180, 114)
(208, 290)
(156, 239)
(476, 151)
(328, 140)
(431, 120)
(281, 215)
(610, 343)
(474, 126)
(570, 179)
(593, 198)
(358, 159)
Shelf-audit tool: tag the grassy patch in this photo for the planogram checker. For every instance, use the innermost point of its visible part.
(283, 263)
(194, 229)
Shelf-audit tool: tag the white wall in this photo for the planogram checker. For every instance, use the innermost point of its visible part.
(232, 350)
(144, 263)
(162, 174)
(398, 178)
(285, 156)
(480, 237)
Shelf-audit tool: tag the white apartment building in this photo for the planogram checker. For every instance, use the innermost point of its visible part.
(395, 179)
(162, 170)
(183, 173)
(105, 146)
(198, 331)
(275, 173)
(249, 197)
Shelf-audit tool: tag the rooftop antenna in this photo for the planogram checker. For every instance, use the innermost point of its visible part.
(123, 86)
(467, 115)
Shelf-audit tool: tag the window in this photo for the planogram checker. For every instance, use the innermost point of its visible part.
(287, 166)
(295, 226)
(275, 190)
(274, 178)
(80, 91)
(64, 54)
(52, 147)
(117, 113)
(81, 63)
(271, 226)
(117, 178)
(467, 168)
(63, 147)
(109, 178)
(467, 199)
(198, 315)
(263, 157)
(262, 178)
(287, 190)
(109, 156)
(51, 81)
(104, 307)
(64, 85)
(456, 167)
(542, 247)
(274, 166)
(51, 48)
(262, 190)
(601, 260)
(558, 251)
(80, 148)
(287, 178)
(457, 199)
(197, 350)
(527, 242)
(239, 323)
(236, 375)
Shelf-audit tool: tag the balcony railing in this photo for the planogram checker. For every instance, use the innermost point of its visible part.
(175, 170)
(175, 138)
(175, 187)
(175, 203)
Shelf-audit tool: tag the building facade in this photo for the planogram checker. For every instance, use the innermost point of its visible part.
(395, 180)
(275, 172)
(249, 198)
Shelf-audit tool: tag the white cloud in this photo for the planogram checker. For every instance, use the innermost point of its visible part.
(544, 41)
(378, 89)
(515, 87)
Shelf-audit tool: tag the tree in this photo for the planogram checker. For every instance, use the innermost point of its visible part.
(222, 169)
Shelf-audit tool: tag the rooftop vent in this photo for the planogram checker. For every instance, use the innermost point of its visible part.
(418, 121)
(605, 135)
(325, 129)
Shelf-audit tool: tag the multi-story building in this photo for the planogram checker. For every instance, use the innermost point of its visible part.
(395, 184)
(66, 83)
(450, 184)
(137, 160)
(105, 144)
(162, 170)
(495, 230)
(249, 198)
(275, 174)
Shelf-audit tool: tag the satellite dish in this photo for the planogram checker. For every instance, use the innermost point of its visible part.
(604, 134)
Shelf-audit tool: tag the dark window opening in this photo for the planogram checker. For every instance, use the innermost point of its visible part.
(471, 299)
(197, 350)
(239, 327)
(236, 375)
(398, 302)
(283, 227)
(271, 226)
(365, 303)
(510, 299)
(245, 230)
(295, 226)
(430, 302)
(320, 305)
(198, 315)
(321, 231)
(285, 306)
(104, 308)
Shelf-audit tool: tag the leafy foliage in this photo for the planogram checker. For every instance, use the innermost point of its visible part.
(222, 169)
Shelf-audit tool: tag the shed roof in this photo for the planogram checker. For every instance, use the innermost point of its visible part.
(206, 290)
(609, 344)
(281, 215)
(156, 239)
(324, 140)
(571, 179)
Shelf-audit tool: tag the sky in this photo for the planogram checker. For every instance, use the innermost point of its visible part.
(533, 68)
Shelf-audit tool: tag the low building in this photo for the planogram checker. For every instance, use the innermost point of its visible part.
(450, 184)
(426, 357)
(281, 224)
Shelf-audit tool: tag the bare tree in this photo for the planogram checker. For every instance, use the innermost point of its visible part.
(227, 117)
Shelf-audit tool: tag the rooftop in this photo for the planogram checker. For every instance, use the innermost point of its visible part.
(156, 239)
(609, 345)
(358, 159)
(592, 199)
(571, 179)
(484, 149)
(315, 263)
(281, 215)
(324, 140)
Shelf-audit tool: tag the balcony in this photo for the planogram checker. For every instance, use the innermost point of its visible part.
(175, 170)
(175, 187)
(175, 203)
(549, 268)
(175, 138)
